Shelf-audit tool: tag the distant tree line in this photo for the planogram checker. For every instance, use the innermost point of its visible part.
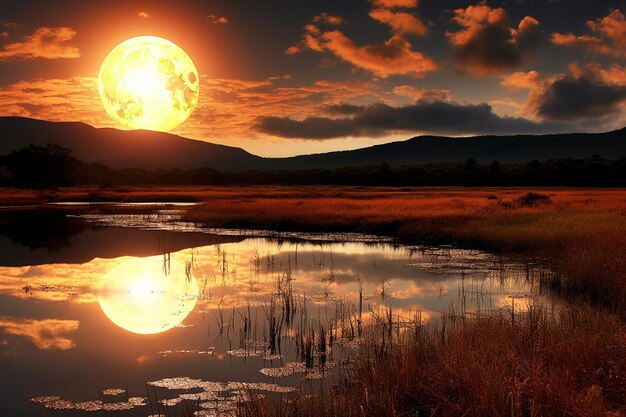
(53, 166)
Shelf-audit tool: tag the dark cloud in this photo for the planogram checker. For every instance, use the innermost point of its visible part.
(309, 128)
(572, 98)
(381, 119)
(343, 109)
(488, 44)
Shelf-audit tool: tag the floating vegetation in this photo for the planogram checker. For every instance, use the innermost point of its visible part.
(289, 369)
(45, 399)
(201, 396)
(113, 391)
(57, 403)
(212, 387)
(244, 353)
(137, 401)
(89, 405)
(118, 406)
(208, 351)
(170, 402)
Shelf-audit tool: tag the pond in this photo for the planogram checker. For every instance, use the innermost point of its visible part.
(141, 315)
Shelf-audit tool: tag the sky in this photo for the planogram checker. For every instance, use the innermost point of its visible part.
(284, 77)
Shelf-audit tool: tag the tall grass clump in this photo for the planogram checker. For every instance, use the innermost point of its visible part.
(564, 361)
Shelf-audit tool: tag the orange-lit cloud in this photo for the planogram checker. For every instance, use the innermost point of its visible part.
(72, 99)
(46, 42)
(402, 23)
(45, 334)
(144, 15)
(487, 44)
(395, 3)
(217, 20)
(427, 94)
(394, 56)
(607, 35)
(521, 80)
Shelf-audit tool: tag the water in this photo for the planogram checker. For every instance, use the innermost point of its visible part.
(96, 315)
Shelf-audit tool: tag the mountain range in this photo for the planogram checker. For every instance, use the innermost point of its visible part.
(155, 150)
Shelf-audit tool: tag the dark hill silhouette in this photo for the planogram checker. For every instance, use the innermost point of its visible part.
(153, 150)
(121, 148)
(505, 149)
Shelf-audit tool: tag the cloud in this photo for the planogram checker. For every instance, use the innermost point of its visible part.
(143, 15)
(309, 128)
(394, 56)
(427, 94)
(587, 93)
(45, 334)
(402, 23)
(589, 96)
(218, 20)
(381, 119)
(590, 42)
(521, 80)
(395, 3)
(487, 44)
(46, 42)
(71, 99)
(607, 35)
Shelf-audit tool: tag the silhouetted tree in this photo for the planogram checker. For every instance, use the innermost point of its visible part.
(37, 166)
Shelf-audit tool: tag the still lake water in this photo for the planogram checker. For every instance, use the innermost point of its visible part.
(101, 312)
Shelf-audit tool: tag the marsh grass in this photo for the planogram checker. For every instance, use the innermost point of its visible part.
(561, 361)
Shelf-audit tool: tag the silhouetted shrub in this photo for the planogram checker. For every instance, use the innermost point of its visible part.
(533, 199)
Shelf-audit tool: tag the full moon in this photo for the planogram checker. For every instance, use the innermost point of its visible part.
(148, 82)
(138, 296)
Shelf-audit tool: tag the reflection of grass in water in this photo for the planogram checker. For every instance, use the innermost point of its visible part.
(509, 361)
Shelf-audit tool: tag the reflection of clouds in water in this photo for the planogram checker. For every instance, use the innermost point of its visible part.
(56, 282)
(45, 334)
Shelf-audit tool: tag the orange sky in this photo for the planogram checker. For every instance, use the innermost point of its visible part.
(276, 81)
